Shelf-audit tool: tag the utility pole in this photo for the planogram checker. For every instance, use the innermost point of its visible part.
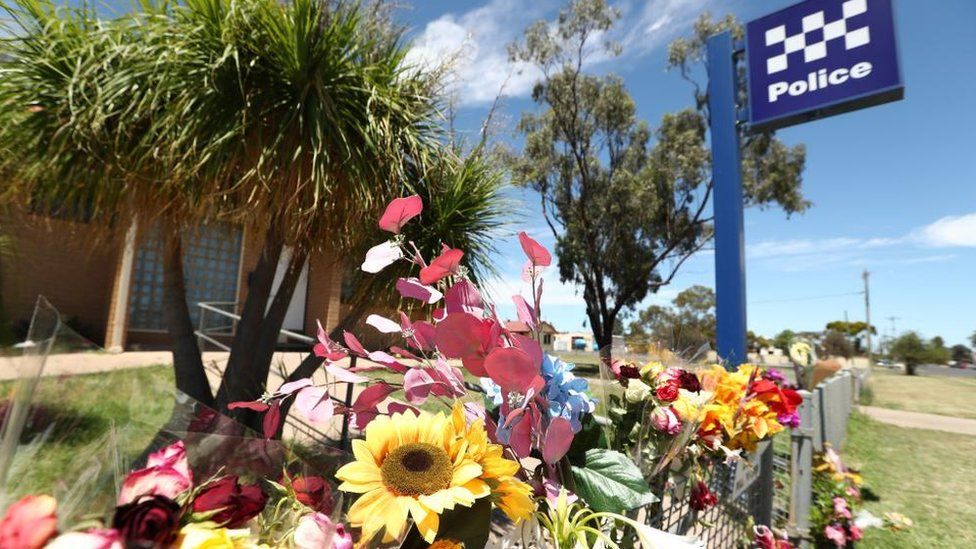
(867, 311)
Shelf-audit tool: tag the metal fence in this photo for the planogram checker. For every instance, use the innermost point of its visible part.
(773, 485)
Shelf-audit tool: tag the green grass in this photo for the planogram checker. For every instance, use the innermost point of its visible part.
(947, 396)
(75, 414)
(925, 475)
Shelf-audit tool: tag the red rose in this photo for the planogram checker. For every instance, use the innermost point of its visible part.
(314, 492)
(689, 381)
(235, 504)
(149, 521)
(669, 391)
(701, 497)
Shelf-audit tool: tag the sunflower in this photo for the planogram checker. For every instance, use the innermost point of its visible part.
(418, 466)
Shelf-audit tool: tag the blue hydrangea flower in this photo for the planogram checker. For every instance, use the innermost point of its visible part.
(565, 392)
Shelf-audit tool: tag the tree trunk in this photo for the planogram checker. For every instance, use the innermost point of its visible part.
(236, 383)
(191, 378)
(257, 377)
(910, 368)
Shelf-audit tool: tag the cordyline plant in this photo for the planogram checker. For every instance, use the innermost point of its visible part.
(288, 118)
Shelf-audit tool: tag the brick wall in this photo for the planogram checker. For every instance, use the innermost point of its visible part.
(70, 263)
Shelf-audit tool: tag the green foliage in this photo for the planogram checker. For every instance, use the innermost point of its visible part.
(685, 326)
(610, 186)
(836, 344)
(783, 340)
(938, 352)
(467, 525)
(910, 349)
(609, 481)
(961, 353)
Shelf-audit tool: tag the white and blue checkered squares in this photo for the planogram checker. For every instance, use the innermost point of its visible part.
(816, 32)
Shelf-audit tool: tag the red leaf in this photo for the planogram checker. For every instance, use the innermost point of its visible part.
(371, 396)
(463, 297)
(272, 419)
(443, 265)
(559, 436)
(462, 335)
(257, 406)
(354, 345)
(537, 254)
(525, 311)
(399, 211)
(513, 369)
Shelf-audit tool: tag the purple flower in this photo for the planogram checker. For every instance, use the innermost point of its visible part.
(791, 420)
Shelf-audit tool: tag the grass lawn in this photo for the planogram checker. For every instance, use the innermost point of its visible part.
(947, 396)
(925, 475)
(74, 416)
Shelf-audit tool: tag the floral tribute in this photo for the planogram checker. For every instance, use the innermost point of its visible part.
(683, 420)
(459, 424)
(161, 505)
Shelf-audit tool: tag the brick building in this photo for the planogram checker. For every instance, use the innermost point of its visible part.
(111, 287)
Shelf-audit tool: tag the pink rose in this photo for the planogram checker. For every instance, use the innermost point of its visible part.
(835, 533)
(96, 538)
(29, 523)
(840, 508)
(665, 419)
(167, 473)
(317, 531)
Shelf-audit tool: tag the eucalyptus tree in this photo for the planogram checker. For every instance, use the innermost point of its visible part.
(296, 119)
(627, 204)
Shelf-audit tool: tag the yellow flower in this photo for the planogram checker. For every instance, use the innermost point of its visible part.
(205, 536)
(418, 466)
(731, 418)
(446, 544)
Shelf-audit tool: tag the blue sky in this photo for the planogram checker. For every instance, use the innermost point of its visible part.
(893, 187)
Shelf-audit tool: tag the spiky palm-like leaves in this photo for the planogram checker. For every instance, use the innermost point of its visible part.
(298, 118)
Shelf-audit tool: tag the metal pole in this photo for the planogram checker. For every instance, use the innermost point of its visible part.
(730, 265)
(867, 312)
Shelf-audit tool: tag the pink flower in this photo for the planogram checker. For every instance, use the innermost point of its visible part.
(856, 533)
(317, 531)
(96, 538)
(167, 473)
(29, 523)
(840, 508)
(835, 533)
(666, 420)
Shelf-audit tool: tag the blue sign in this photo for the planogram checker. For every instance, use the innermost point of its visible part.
(819, 58)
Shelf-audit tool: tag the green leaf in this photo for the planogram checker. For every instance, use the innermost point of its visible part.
(469, 525)
(610, 482)
(592, 435)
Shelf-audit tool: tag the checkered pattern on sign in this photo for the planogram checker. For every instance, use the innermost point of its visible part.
(812, 41)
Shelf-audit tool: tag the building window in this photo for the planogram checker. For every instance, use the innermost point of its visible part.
(211, 266)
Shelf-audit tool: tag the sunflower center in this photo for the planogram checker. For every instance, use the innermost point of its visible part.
(417, 469)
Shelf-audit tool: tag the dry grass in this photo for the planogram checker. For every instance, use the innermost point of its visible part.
(925, 475)
(947, 396)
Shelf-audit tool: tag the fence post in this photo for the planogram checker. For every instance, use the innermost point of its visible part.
(801, 467)
(766, 486)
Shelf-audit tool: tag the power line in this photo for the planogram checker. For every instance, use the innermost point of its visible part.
(808, 298)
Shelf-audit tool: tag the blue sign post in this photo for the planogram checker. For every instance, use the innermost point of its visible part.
(814, 59)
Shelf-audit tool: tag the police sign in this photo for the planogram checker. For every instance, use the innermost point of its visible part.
(820, 58)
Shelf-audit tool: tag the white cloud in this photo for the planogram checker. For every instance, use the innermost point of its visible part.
(950, 231)
(475, 42)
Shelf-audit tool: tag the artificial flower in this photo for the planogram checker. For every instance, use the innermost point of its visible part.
(840, 508)
(637, 391)
(167, 473)
(313, 492)
(29, 522)
(664, 419)
(96, 538)
(566, 393)
(201, 536)
(446, 544)
(317, 531)
(701, 497)
(418, 466)
(232, 504)
(836, 534)
(148, 520)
